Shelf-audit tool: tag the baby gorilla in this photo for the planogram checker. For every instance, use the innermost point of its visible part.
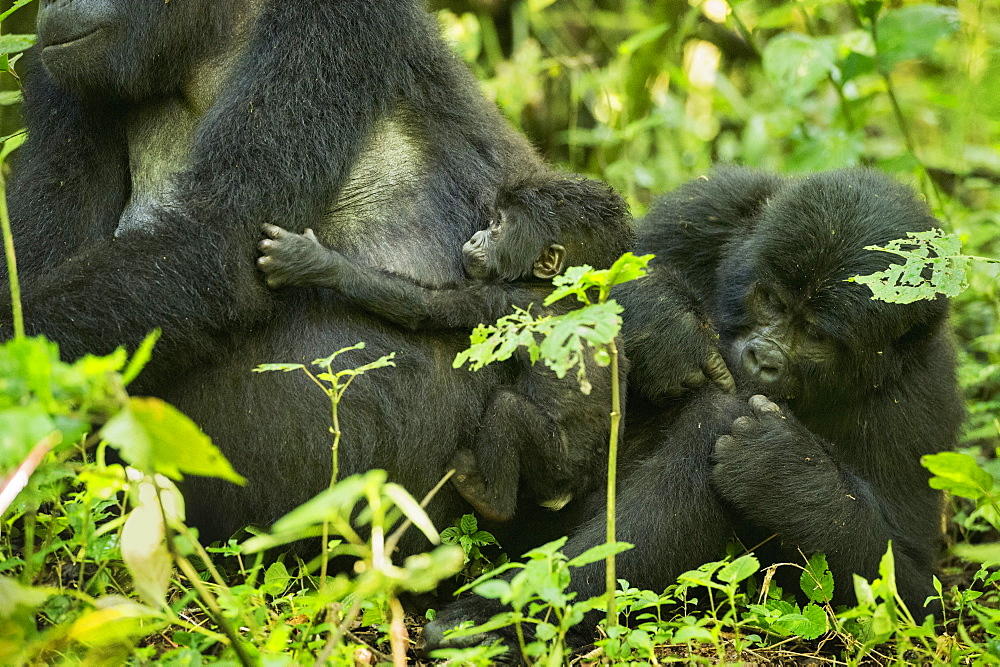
(539, 431)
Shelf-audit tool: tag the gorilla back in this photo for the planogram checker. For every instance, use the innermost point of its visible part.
(163, 134)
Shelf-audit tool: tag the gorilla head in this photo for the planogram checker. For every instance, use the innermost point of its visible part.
(132, 49)
(792, 321)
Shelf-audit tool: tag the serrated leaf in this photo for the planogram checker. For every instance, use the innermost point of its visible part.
(141, 357)
(263, 368)
(816, 580)
(469, 524)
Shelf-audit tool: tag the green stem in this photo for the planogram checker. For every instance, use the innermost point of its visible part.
(8, 247)
(611, 581)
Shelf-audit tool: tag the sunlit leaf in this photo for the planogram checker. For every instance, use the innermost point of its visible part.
(154, 436)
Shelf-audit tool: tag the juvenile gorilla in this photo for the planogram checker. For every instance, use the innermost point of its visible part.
(845, 393)
(162, 135)
(540, 433)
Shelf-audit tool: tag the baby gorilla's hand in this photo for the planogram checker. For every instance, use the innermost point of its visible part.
(292, 260)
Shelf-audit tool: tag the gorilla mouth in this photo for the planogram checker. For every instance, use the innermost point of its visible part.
(73, 39)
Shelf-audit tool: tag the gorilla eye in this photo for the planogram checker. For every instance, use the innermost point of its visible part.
(496, 224)
(769, 301)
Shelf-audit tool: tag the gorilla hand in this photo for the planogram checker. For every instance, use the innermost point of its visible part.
(672, 345)
(294, 260)
(769, 465)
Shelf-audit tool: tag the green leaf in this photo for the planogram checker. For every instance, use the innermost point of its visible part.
(15, 43)
(144, 551)
(958, 474)
(598, 553)
(141, 357)
(120, 621)
(909, 33)
(741, 568)
(979, 553)
(412, 510)
(263, 368)
(817, 580)
(932, 252)
(797, 63)
(154, 436)
(423, 572)
(495, 589)
(468, 524)
(276, 579)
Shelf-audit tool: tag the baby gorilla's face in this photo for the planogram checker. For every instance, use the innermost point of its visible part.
(477, 253)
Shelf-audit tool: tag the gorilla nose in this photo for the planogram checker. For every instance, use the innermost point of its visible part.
(764, 361)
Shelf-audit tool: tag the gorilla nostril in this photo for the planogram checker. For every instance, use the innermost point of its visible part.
(763, 360)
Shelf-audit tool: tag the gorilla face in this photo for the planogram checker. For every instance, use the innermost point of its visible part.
(783, 346)
(792, 321)
(129, 49)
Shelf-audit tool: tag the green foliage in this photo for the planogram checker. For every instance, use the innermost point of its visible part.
(539, 600)
(934, 264)
(466, 534)
(561, 342)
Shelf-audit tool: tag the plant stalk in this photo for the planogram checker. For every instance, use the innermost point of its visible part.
(611, 580)
(8, 248)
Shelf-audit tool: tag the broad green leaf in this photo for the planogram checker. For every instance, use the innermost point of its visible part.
(154, 436)
(495, 589)
(798, 63)
(741, 568)
(122, 621)
(598, 553)
(958, 474)
(15, 43)
(423, 572)
(912, 32)
(21, 428)
(979, 553)
(276, 579)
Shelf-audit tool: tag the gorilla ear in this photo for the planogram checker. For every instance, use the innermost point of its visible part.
(551, 262)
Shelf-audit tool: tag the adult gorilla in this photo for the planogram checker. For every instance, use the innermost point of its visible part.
(162, 134)
(756, 267)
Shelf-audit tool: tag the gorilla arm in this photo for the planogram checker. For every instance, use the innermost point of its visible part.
(671, 343)
(299, 260)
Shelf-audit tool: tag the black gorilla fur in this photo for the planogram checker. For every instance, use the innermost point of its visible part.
(745, 261)
(158, 146)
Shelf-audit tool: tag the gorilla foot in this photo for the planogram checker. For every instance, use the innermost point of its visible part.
(476, 610)
(469, 482)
